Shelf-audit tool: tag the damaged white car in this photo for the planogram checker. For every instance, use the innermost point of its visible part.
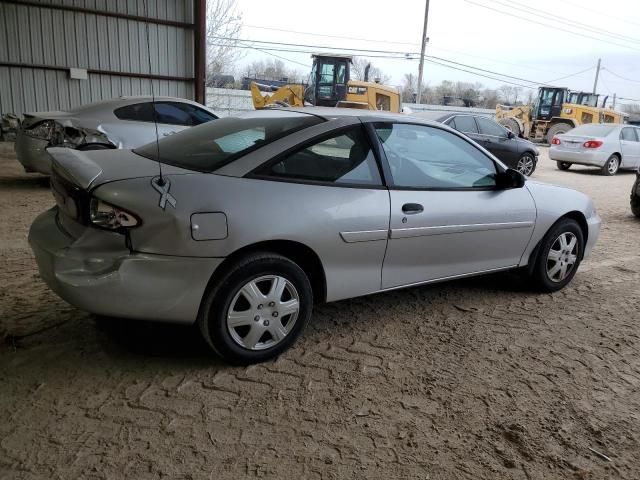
(125, 122)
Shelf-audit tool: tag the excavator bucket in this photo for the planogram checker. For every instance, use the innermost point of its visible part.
(287, 96)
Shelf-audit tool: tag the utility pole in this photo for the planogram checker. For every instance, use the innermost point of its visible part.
(613, 107)
(424, 44)
(595, 83)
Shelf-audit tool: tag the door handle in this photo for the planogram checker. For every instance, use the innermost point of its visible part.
(412, 208)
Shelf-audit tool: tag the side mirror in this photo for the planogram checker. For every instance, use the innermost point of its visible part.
(510, 178)
(510, 134)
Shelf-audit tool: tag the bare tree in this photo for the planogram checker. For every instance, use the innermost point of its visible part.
(359, 66)
(274, 69)
(224, 23)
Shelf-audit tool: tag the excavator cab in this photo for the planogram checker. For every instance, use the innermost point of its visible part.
(549, 103)
(329, 77)
(583, 98)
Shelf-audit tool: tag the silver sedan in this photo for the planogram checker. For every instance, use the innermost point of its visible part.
(242, 224)
(606, 146)
(125, 122)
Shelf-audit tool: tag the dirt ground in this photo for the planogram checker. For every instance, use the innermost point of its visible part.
(476, 379)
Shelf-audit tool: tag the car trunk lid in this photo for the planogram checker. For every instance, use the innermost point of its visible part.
(575, 142)
(88, 169)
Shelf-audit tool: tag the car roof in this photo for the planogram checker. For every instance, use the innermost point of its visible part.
(113, 103)
(331, 113)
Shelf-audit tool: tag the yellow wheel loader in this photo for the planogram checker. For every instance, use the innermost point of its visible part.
(555, 111)
(330, 86)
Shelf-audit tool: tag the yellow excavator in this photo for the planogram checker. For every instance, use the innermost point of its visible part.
(555, 111)
(330, 86)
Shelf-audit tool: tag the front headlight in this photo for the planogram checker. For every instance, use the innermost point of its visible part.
(105, 215)
(44, 130)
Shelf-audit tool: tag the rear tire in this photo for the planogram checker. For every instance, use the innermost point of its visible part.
(260, 324)
(611, 166)
(557, 129)
(558, 260)
(526, 164)
(512, 125)
(563, 165)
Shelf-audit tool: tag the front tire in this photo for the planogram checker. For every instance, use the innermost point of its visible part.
(563, 165)
(559, 255)
(257, 309)
(526, 164)
(611, 166)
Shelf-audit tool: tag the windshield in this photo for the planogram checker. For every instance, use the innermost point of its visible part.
(210, 146)
(592, 130)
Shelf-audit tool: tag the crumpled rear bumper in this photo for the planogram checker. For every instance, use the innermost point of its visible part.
(97, 273)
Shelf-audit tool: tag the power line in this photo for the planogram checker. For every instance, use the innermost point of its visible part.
(620, 76)
(314, 34)
(277, 56)
(482, 69)
(577, 5)
(547, 25)
(572, 75)
(314, 46)
(471, 69)
(331, 36)
(478, 74)
(529, 67)
(572, 23)
(289, 50)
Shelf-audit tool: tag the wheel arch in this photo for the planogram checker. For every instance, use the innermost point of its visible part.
(297, 252)
(574, 215)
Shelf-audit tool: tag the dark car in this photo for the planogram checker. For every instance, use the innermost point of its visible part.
(635, 196)
(514, 152)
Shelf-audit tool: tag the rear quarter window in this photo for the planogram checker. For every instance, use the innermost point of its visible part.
(211, 145)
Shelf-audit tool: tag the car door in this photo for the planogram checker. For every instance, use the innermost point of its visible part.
(466, 124)
(630, 147)
(336, 204)
(448, 217)
(134, 126)
(498, 141)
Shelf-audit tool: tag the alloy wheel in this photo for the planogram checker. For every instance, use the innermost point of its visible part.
(612, 166)
(263, 312)
(526, 165)
(562, 257)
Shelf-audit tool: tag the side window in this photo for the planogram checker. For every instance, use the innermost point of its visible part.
(198, 115)
(465, 124)
(170, 113)
(345, 158)
(489, 127)
(629, 134)
(139, 112)
(426, 157)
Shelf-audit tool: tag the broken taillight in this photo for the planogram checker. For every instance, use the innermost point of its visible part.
(105, 215)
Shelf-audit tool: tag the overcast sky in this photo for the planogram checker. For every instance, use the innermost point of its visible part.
(472, 32)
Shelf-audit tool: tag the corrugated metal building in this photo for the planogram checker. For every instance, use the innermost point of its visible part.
(110, 41)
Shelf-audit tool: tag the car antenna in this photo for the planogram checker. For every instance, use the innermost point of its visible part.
(160, 182)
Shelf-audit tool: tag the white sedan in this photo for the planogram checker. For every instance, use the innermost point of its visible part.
(609, 147)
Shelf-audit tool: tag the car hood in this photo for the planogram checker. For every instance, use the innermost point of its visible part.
(34, 117)
(88, 169)
(523, 142)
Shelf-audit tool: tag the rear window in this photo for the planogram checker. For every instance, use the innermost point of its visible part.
(210, 146)
(593, 130)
